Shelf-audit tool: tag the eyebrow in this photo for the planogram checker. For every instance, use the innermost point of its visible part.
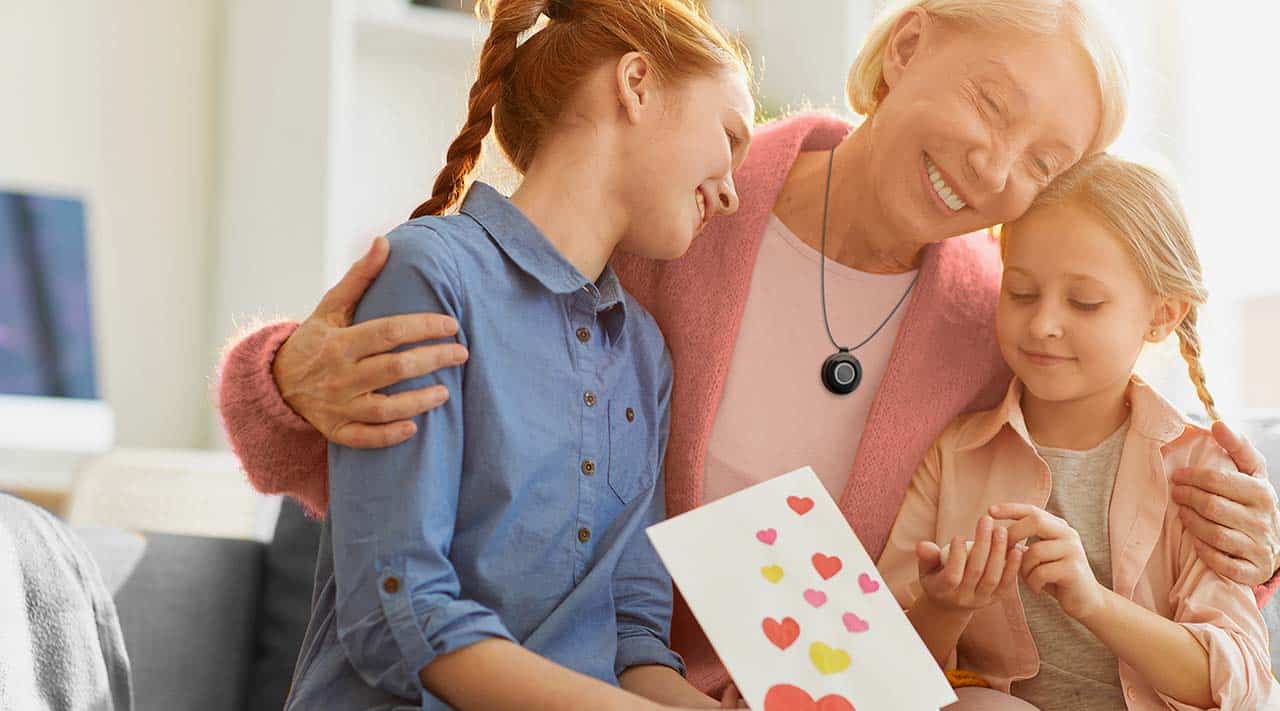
(1073, 275)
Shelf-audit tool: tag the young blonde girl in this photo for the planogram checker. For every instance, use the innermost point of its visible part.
(1038, 545)
(497, 560)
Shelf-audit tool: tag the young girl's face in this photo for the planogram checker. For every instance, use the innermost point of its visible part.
(1074, 310)
(680, 163)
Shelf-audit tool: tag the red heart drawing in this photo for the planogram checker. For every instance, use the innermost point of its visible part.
(867, 584)
(783, 634)
(785, 697)
(767, 536)
(817, 598)
(853, 623)
(827, 566)
(800, 504)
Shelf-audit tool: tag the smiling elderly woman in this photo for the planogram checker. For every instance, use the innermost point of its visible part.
(971, 108)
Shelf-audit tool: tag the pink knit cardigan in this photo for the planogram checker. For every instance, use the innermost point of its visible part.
(945, 362)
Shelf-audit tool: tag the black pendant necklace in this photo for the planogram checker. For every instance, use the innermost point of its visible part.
(842, 372)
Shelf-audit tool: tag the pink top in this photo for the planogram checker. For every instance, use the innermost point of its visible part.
(944, 362)
(775, 414)
(988, 458)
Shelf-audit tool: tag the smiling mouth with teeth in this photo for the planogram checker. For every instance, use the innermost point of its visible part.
(940, 187)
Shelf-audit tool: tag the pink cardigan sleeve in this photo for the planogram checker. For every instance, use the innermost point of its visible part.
(281, 453)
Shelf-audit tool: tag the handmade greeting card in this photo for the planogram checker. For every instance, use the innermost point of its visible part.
(793, 604)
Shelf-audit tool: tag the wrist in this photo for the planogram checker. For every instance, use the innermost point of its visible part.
(1098, 608)
(947, 612)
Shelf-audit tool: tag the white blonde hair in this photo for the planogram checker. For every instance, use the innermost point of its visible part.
(1141, 209)
(1038, 18)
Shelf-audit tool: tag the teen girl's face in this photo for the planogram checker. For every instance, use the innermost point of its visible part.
(975, 125)
(1074, 311)
(681, 163)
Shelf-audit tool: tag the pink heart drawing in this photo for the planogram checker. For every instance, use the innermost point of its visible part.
(817, 598)
(867, 584)
(853, 623)
(767, 536)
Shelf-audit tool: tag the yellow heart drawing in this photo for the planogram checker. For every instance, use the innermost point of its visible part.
(772, 573)
(827, 660)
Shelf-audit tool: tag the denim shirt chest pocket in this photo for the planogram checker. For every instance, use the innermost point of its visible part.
(633, 446)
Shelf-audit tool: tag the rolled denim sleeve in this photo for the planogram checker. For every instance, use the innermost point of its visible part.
(642, 586)
(393, 510)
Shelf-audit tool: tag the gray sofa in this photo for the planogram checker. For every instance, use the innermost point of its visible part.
(214, 624)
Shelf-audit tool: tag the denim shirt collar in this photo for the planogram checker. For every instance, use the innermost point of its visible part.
(532, 252)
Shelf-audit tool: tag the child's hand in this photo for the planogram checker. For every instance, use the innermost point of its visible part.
(970, 580)
(732, 699)
(1056, 564)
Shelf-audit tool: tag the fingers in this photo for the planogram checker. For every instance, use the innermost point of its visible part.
(375, 409)
(1048, 574)
(994, 572)
(361, 436)
(976, 566)
(1241, 571)
(1229, 541)
(928, 557)
(1012, 568)
(1241, 488)
(1238, 447)
(385, 334)
(339, 303)
(1222, 511)
(731, 698)
(1030, 521)
(1045, 551)
(378, 372)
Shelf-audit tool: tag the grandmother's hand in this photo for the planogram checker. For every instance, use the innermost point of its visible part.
(328, 370)
(1232, 514)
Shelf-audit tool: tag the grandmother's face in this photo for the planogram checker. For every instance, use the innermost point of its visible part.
(975, 124)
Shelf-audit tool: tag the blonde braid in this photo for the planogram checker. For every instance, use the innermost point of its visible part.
(1189, 340)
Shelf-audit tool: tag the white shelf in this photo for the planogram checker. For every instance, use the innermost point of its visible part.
(398, 24)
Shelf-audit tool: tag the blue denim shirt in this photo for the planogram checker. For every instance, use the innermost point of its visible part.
(518, 510)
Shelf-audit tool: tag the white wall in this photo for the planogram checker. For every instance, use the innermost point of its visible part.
(116, 102)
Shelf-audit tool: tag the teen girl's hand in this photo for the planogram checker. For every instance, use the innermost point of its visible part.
(1056, 564)
(732, 699)
(1232, 514)
(328, 370)
(973, 580)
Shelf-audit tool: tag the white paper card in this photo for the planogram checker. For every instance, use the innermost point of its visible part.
(793, 604)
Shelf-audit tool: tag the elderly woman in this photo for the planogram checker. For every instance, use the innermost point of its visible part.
(839, 319)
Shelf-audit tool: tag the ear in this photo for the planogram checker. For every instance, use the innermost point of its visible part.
(909, 34)
(1166, 317)
(636, 85)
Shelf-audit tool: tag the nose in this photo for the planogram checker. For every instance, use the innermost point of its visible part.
(989, 166)
(1046, 323)
(726, 196)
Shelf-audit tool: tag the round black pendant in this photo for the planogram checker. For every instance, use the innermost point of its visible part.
(842, 373)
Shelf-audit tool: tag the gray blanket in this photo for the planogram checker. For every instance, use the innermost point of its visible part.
(60, 643)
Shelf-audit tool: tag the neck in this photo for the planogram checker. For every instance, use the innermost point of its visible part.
(857, 235)
(563, 195)
(1078, 424)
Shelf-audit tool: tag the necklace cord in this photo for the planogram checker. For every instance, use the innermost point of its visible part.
(822, 272)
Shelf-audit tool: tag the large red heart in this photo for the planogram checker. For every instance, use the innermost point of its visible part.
(783, 634)
(785, 697)
(826, 566)
(800, 504)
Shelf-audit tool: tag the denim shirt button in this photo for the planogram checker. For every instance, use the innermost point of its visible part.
(588, 467)
(391, 586)
(590, 399)
(584, 535)
(584, 335)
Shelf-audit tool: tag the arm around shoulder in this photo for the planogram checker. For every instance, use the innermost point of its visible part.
(280, 451)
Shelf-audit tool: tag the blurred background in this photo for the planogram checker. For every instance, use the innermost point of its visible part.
(174, 172)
